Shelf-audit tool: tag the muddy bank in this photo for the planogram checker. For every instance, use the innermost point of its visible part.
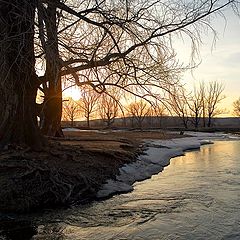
(68, 171)
(59, 176)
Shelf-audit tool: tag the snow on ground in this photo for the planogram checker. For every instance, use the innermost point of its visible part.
(71, 130)
(156, 156)
(79, 130)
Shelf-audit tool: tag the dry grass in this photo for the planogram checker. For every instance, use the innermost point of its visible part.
(112, 140)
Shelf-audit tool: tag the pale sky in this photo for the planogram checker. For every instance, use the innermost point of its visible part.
(222, 61)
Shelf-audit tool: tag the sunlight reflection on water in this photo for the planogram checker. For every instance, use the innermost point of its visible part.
(195, 197)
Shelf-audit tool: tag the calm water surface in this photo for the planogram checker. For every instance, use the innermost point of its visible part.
(196, 197)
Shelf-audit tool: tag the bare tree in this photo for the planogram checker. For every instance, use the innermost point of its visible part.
(178, 101)
(88, 103)
(236, 107)
(138, 111)
(109, 106)
(18, 79)
(48, 56)
(196, 105)
(202, 89)
(86, 41)
(92, 40)
(214, 97)
(71, 111)
(156, 113)
(159, 111)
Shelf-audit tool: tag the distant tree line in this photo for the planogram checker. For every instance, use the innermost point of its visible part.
(236, 108)
(195, 109)
(202, 104)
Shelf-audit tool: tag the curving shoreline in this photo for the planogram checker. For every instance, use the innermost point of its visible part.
(156, 156)
(86, 166)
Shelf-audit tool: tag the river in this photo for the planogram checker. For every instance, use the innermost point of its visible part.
(196, 197)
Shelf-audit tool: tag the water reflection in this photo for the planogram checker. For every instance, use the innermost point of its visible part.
(196, 197)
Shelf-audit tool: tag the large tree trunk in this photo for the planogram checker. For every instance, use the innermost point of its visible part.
(52, 107)
(51, 114)
(185, 121)
(88, 121)
(209, 124)
(196, 121)
(204, 115)
(18, 80)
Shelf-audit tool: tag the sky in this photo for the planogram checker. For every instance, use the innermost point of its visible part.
(219, 61)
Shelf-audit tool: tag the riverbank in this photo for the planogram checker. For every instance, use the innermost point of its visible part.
(156, 156)
(69, 171)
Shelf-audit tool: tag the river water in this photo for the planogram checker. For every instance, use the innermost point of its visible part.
(196, 197)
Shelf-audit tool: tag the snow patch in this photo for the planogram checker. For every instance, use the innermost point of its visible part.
(71, 130)
(157, 155)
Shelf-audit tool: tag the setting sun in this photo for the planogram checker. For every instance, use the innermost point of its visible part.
(73, 92)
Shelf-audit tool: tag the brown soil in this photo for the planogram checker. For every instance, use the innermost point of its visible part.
(68, 171)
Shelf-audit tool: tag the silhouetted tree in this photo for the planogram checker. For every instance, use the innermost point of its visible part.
(71, 110)
(18, 79)
(86, 40)
(51, 112)
(92, 36)
(138, 111)
(178, 101)
(195, 104)
(158, 110)
(213, 98)
(236, 107)
(88, 103)
(108, 107)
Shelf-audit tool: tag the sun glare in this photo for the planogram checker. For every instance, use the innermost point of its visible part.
(74, 93)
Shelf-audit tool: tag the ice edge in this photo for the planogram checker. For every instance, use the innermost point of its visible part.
(157, 155)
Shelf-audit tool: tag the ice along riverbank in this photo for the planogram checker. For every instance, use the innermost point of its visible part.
(156, 156)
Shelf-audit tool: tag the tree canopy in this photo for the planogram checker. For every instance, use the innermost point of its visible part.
(125, 44)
